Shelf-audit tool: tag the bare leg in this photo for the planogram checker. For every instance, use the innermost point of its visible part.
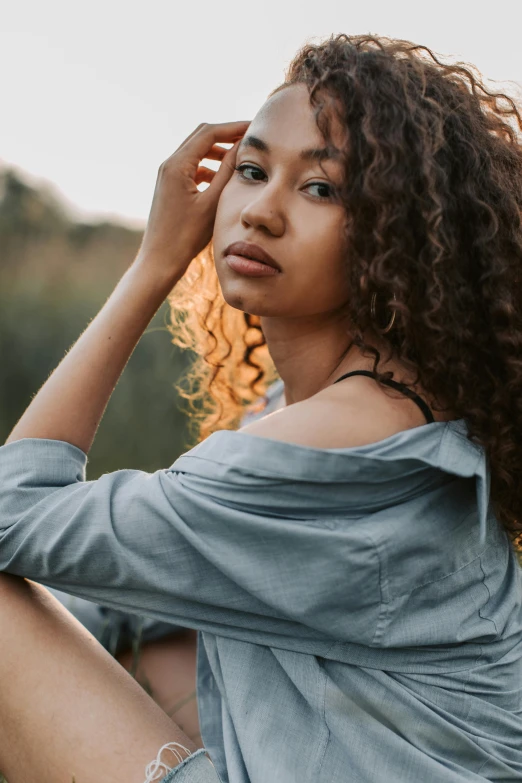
(67, 708)
(166, 668)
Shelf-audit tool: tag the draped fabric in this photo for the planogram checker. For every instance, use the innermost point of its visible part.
(360, 609)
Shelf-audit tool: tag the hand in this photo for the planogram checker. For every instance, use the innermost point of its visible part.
(181, 220)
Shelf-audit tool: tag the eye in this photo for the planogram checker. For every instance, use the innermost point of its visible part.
(324, 185)
(245, 167)
(330, 192)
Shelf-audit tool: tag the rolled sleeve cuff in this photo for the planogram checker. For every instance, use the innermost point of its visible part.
(197, 768)
(48, 462)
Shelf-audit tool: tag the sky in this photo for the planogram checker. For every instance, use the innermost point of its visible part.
(95, 95)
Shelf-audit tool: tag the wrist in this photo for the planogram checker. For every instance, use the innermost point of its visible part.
(155, 274)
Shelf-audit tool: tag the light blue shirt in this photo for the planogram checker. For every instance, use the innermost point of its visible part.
(360, 608)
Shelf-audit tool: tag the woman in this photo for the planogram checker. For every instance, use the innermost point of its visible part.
(347, 558)
(161, 656)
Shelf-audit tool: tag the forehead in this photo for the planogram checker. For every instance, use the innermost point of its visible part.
(286, 122)
(289, 108)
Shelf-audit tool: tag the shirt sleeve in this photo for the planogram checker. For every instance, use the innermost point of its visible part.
(204, 551)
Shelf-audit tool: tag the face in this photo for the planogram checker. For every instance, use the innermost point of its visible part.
(286, 204)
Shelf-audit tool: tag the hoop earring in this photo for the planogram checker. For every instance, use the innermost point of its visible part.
(372, 311)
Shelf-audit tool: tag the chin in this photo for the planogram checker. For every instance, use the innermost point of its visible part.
(252, 304)
(245, 293)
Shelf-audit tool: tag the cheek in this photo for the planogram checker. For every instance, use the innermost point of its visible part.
(325, 266)
(326, 245)
(227, 206)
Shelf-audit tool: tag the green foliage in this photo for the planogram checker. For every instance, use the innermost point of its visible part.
(55, 275)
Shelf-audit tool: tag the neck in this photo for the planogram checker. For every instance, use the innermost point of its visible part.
(310, 353)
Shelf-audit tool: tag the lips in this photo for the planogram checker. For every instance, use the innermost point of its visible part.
(254, 252)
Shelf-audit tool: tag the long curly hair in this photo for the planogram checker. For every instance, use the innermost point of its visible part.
(432, 191)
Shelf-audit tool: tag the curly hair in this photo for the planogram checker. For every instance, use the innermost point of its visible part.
(432, 192)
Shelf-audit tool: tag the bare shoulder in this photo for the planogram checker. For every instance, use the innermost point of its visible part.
(341, 416)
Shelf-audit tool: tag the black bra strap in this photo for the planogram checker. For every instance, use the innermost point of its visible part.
(396, 385)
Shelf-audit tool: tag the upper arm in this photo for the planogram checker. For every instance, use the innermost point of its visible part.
(212, 552)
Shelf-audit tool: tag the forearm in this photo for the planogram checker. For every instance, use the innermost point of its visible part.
(71, 403)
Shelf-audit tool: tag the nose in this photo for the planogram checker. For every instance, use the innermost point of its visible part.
(265, 210)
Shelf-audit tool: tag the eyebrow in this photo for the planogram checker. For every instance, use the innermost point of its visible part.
(324, 153)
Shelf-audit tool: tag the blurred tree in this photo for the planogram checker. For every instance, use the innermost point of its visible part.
(55, 274)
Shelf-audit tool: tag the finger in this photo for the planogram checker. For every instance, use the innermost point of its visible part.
(204, 174)
(225, 171)
(196, 130)
(234, 130)
(204, 140)
(201, 127)
(216, 153)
